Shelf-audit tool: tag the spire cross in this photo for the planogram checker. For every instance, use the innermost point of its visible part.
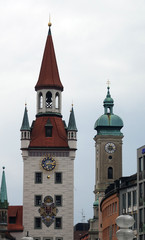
(108, 82)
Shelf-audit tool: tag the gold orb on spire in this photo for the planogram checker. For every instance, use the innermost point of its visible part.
(49, 24)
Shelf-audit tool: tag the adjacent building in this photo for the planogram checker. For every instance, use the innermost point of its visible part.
(120, 198)
(141, 192)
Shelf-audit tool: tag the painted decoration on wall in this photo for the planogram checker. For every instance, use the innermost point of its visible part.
(48, 211)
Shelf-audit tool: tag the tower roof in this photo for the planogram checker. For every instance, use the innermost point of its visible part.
(72, 122)
(49, 75)
(108, 123)
(25, 123)
(3, 193)
(38, 136)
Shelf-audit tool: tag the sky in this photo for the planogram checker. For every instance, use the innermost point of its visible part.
(94, 41)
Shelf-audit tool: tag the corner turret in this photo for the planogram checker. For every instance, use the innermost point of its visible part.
(72, 131)
(3, 204)
(25, 130)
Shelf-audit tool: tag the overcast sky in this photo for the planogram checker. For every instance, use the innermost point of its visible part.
(94, 40)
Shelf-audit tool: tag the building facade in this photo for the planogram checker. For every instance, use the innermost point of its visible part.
(120, 198)
(48, 151)
(141, 192)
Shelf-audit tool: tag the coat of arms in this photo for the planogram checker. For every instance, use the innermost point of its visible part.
(48, 211)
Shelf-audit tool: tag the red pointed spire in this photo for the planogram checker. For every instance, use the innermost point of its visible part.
(49, 75)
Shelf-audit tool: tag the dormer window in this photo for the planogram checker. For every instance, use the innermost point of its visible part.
(48, 128)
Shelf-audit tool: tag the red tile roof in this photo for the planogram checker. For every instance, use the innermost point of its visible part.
(59, 136)
(49, 75)
(15, 211)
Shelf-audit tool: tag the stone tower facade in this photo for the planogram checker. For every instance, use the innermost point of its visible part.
(108, 158)
(48, 151)
(108, 146)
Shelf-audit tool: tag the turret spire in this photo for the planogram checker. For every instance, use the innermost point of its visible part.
(49, 75)
(3, 194)
(72, 122)
(25, 123)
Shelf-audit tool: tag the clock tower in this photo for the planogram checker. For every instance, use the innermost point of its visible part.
(108, 146)
(48, 151)
(108, 159)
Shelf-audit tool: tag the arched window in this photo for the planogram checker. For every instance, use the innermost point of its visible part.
(49, 100)
(57, 100)
(72, 134)
(40, 100)
(108, 110)
(110, 173)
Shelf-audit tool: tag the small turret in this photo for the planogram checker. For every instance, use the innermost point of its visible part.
(25, 130)
(72, 131)
(3, 204)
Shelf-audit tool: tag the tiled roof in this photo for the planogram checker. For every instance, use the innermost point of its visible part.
(59, 136)
(49, 75)
(17, 212)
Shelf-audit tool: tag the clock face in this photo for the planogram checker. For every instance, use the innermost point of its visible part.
(48, 163)
(110, 147)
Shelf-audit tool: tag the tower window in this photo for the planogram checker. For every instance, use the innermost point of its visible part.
(58, 222)
(40, 100)
(108, 110)
(38, 200)
(37, 223)
(58, 200)
(110, 173)
(38, 177)
(47, 238)
(58, 177)
(57, 100)
(49, 100)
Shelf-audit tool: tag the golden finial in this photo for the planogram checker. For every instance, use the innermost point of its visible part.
(108, 82)
(49, 23)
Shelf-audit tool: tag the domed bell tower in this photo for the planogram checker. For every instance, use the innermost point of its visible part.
(108, 146)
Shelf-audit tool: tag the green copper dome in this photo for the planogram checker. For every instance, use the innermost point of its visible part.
(108, 123)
